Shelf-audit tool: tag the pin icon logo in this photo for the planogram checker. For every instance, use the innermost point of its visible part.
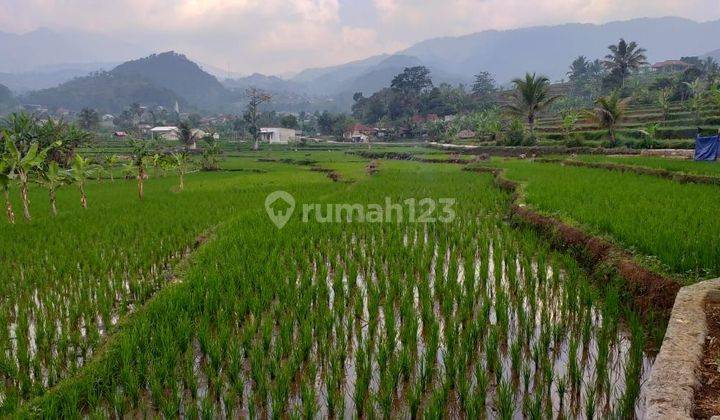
(280, 206)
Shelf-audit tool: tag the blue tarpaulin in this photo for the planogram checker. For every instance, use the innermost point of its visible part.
(706, 148)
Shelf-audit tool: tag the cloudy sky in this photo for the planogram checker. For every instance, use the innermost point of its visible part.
(276, 36)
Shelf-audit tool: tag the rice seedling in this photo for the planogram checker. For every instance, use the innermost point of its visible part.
(370, 320)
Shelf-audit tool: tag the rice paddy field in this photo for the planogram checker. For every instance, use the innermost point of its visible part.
(674, 165)
(194, 304)
(672, 226)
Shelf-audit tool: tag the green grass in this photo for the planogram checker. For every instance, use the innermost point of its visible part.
(676, 223)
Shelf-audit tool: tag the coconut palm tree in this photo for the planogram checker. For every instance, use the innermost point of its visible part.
(82, 169)
(532, 96)
(23, 164)
(609, 111)
(52, 178)
(624, 58)
(578, 69)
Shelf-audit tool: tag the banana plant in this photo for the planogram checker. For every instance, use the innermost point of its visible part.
(141, 152)
(81, 170)
(181, 163)
(24, 164)
(111, 162)
(52, 178)
(7, 174)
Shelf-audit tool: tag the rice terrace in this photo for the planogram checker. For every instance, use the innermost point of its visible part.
(396, 237)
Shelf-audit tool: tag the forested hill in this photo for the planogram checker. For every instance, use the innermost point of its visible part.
(175, 72)
(160, 79)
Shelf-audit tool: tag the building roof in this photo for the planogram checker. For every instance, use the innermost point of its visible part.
(163, 129)
(670, 63)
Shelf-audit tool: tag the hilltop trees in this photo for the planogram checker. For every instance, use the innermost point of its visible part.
(623, 59)
(531, 96)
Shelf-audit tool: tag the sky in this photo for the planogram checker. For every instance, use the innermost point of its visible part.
(281, 36)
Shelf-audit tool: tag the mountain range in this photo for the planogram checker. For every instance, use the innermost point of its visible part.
(506, 54)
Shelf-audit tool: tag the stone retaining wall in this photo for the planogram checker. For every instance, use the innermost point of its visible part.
(671, 387)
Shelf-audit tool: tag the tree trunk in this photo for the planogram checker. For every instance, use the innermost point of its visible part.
(256, 145)
(141, 174)
(25, 198)
(612, 136)
(8, 207)
(51, 191)
(531, 124)
(182, 182)
(112, 177)
(83, 197)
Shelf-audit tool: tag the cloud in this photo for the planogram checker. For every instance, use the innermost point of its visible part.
(275, 36)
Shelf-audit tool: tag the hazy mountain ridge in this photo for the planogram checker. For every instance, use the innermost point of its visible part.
(506, 54)
(550, 49)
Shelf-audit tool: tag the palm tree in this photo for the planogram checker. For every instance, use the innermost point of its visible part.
(578, 69)
(7, 174)
(23, 164)
(624, 58)
(81, 170)
(532, 96)
(53, 178)
(609, 111)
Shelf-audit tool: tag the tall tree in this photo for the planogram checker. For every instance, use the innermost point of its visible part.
(623, 59)
(579, 69)
(187, 135)
(609, 111)
(531, 96)
(256, 97)
(88, 119)
(484, 88)
(413, 80)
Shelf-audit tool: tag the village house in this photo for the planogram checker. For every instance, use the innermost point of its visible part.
(170, 133)
(278, 135)
(670, 66)
(360, 133)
